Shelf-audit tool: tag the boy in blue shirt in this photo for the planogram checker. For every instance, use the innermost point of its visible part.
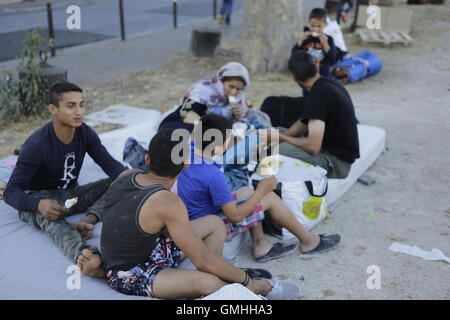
(204, 190)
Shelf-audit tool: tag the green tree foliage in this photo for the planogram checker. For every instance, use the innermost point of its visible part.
(27, 96)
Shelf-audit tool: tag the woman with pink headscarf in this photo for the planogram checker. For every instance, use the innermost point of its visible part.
(222, 94)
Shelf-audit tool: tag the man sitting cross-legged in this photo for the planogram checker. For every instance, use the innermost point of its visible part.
(46, 174)
(146, 232)
(204, 190)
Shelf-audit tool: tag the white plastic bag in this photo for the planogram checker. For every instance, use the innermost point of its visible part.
(309, 210)
(303, 188)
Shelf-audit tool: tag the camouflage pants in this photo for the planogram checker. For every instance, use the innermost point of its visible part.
(67, 239)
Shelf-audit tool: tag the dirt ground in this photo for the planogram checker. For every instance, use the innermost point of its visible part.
(410, 99)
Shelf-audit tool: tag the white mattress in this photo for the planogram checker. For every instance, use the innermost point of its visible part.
(372, 143)
(31, 267)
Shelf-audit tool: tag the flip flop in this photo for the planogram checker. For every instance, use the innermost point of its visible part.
(327, 243)
(278, 250)
(258, 273)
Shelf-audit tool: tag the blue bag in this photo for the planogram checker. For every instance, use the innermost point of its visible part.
(357, 67)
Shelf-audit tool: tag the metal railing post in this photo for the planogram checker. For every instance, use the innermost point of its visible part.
(122, 20)
(51, 31)
(175, 13)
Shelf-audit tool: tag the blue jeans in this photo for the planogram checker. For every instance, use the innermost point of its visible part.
(340, 8)
(226, 10)
(66, 238)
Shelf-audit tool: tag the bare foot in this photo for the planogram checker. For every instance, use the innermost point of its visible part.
(91, 264)
(85, 229)
(262, 248)
(311, 245)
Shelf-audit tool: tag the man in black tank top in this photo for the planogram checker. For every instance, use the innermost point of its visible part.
(146, 230)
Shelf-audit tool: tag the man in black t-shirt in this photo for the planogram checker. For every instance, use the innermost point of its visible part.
(328, 119)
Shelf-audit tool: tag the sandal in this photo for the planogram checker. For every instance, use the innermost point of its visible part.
(278, 250)
(327, 243)
(258, 273)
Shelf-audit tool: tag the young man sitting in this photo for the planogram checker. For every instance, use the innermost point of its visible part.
(204, 190)
(47, 171)
(146, 232)
(328, 119)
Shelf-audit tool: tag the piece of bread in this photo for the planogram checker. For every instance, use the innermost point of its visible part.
(71, 202)
(268, 167)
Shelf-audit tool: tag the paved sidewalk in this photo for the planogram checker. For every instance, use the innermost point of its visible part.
(96, 63)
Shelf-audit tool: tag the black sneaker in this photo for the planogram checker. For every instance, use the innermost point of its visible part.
(327, 243)
(258, 273)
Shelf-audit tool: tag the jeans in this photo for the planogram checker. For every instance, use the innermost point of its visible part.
(66, 238)
(226, 10)
(340, 8)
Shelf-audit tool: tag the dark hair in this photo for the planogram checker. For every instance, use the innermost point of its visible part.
(211, 121)
(160, 153)
(319, 14)
(59, 88)
(302, 66)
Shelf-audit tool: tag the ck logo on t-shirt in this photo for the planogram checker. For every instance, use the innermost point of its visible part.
(69, 166)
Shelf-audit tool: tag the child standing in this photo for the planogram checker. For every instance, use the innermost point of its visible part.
(341, 13)
(226, 11)
(316, 42)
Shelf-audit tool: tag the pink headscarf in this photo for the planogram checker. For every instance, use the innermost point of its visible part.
(210, 92)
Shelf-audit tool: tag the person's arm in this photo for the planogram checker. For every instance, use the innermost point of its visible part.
(272, 136)
(239, 110)
(303, 38)
(27, 164)
(192, 111)
(101, 156)
(297, 129)
(236, 213)
(295, 49)
(311, 144)
(324, 41)
(167, 209)
(331, 54)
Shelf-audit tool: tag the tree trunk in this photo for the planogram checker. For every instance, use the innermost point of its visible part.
(271, 29)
